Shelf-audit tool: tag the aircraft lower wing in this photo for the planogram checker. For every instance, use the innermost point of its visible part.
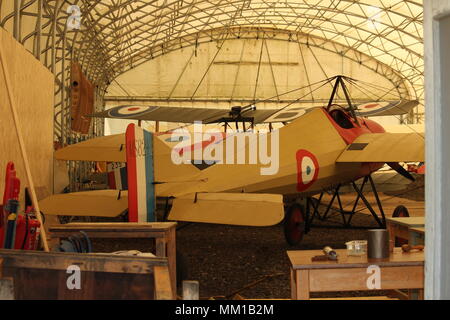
(257, 210)
(99, 203)
(385, 147)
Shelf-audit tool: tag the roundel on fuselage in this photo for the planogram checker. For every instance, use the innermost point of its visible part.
(307, 170)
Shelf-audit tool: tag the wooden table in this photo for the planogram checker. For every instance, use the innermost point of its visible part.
(401, 227)
(164, 234)
(351, 273)
(416, 236)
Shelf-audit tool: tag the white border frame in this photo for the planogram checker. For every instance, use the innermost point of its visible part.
(437, 191)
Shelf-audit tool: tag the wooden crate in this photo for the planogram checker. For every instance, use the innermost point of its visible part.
(44, 276)
(164, 234)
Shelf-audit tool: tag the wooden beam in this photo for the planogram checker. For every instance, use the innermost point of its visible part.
(87, 262)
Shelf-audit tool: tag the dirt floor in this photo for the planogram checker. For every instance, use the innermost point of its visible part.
(414, 191)
(226, 259)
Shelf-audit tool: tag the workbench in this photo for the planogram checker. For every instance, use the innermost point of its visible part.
(351, 273)
(403, 228)
(164, 234)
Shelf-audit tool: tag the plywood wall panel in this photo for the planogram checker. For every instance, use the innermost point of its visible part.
(33, 89)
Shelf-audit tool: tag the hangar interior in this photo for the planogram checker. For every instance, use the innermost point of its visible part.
(196, 54)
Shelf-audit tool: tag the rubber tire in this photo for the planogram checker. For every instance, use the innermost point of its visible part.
(294, 224)
(400, 212)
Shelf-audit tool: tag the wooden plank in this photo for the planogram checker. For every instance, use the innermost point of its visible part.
(398, 231)
(301, 259)
(418, 230)
(416, 236)
(162, 226)
(408, 221)
(399, 295)
(163, 286)
(171, 248)
(6, 289)
(303, 284)
(110, 234)
(163, 232)
(375, 298)
(293, 284)
(85, 292)
(21, 141)
(6, 285)
(87, 262)
(33, 89)
(355, 279)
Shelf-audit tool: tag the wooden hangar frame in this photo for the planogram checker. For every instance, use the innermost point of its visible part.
(115, 36)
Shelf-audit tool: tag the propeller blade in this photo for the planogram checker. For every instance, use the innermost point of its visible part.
(397, 167)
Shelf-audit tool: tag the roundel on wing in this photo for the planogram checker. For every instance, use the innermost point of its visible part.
(130, 111)
(372, 107)
(307, 170)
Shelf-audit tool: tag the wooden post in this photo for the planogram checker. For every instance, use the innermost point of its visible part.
(22, 148)
(191, 290)
(163, 287)
(6, 285)
(302, 292)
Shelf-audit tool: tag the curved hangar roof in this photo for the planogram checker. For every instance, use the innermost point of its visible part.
(119, 41)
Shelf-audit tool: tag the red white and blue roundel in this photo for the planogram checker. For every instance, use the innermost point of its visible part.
(307, 170)
(129, 111)
(373, 108)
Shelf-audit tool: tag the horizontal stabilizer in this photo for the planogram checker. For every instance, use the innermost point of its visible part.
(108, 148)
(99, 203)
(256, 210)
(385, 147)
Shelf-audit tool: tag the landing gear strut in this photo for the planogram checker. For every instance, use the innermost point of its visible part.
(299, 218)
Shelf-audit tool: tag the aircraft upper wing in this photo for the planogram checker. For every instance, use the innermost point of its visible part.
(179, 114)
(210, 115)
(392, 108)
(386, 147)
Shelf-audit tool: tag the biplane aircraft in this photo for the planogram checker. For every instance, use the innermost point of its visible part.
(319, 150)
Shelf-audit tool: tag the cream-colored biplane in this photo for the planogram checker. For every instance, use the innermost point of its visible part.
(319, 150)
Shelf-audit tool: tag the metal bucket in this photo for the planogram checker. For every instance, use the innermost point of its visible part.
(378, 244)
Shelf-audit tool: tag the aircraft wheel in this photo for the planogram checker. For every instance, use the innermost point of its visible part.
(400, 212)
(294, 224)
